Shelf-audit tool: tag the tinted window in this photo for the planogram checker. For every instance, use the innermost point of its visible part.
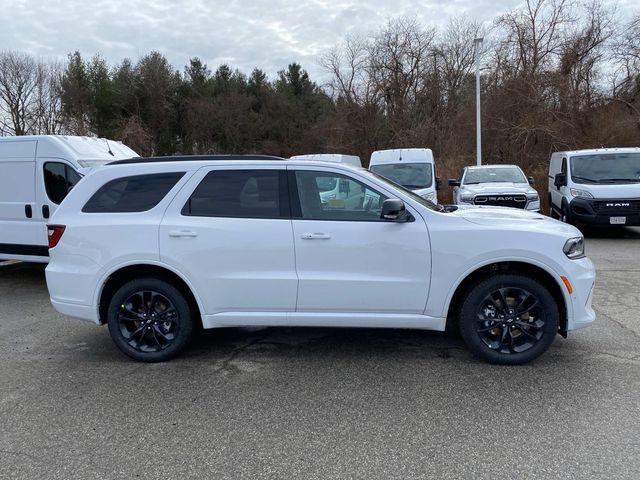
(59, 178)
(240, 194)
(132, 194)
(349, 199)
(409, 175)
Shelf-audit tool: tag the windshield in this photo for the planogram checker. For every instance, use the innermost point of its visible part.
(94, 163)
(409, 175)
(606, 168)
(494, 175)
(414, 196)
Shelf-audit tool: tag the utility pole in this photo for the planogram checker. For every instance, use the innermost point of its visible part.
(477, 42)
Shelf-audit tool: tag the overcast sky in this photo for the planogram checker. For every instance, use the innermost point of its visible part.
(268, 34)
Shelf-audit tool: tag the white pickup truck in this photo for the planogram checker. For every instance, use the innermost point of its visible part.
(497, 185)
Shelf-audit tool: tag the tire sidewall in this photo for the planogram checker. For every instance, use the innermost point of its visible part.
(477, 294)
(185, 325)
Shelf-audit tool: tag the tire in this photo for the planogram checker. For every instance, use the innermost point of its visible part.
(149, 320)
(565, 215)
(552, 212)
(516, 338)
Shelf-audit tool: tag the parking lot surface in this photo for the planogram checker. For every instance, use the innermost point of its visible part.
(320, 403)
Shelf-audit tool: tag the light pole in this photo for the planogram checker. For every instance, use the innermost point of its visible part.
(476, 43)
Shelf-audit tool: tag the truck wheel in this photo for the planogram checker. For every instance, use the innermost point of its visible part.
(509, 319)
(149, 320)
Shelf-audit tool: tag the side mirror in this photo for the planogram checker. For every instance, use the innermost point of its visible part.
(393, 210)
(560, 180)
(531, 180)
(438, 183)
(454, 183)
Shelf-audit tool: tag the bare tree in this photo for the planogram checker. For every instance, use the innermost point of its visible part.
(18, 83)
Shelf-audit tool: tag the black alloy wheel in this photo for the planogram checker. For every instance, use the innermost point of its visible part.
(149, 320)
(509, 318)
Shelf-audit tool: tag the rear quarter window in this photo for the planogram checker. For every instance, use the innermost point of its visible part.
(137, 193)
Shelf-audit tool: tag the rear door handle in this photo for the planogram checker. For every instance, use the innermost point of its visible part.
(183, 233)
(315, 236)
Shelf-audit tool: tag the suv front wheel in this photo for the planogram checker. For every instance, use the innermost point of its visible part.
(509, 319)
(149, 320)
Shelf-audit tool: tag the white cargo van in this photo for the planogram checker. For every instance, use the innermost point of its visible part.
(337, 192)
(352, 160)
(595, 187)
(36, 173)
(413, 168)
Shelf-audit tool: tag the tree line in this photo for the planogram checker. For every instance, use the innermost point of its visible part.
(557, 74)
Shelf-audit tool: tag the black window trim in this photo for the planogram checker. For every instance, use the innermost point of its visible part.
(117, 179)
(283, 194)
(296, 208)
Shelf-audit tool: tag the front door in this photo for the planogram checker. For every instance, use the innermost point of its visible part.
(348, 259)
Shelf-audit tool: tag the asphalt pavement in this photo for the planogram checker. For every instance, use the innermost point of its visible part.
(287, 403)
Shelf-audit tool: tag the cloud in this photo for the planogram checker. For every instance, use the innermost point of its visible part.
(268, 34)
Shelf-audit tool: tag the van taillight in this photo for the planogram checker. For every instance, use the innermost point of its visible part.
(55, 234)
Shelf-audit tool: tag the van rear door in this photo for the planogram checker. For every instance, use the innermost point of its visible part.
(19, 222)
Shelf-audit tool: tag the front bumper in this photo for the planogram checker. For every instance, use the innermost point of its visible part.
(598, 212)
(582, 276)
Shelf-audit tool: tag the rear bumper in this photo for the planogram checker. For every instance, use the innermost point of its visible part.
(82, 312)
(585, 211)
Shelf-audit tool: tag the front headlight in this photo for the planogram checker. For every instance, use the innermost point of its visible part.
(430, 196)
(466, 198)
(533, 197)
(574, 248)
(580, 193)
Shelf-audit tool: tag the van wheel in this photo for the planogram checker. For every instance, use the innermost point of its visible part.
(552, 212)
(149, 320)
(565, 215)
(509, 319)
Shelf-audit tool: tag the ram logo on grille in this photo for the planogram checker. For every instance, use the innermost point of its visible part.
(618, 204)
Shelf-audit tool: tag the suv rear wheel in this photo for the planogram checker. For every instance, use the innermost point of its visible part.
(149, 320)
(509, 319)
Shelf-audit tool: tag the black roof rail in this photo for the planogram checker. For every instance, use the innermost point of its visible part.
(193, 158)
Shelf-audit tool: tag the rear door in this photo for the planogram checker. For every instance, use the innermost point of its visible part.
(229, 231)
(349, 260)
(19, 222)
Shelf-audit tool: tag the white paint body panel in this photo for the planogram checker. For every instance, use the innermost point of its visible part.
(22, 161)
(262, 272)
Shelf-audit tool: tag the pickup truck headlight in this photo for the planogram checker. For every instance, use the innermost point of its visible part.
(533, 197)
(466, 198)
(574, 248)
(580, 193)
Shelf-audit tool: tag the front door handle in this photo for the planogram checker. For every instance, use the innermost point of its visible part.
(183, 233)
(315, 236)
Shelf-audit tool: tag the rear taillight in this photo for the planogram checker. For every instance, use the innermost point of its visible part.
(55, 234)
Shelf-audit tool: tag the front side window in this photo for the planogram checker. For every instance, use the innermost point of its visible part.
(348, 199)
(59, 178)
(494, 175)
(137, 193)
(240, 194)
(606, 168)
(410, 175)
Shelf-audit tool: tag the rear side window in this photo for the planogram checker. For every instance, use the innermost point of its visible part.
(59, 178)
(240, 194)
(132, 194)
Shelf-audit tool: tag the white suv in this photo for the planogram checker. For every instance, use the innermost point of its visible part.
(153, 247)
(498, 185)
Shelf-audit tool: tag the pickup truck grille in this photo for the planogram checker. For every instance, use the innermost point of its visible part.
(616, 206)
(514, 201)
